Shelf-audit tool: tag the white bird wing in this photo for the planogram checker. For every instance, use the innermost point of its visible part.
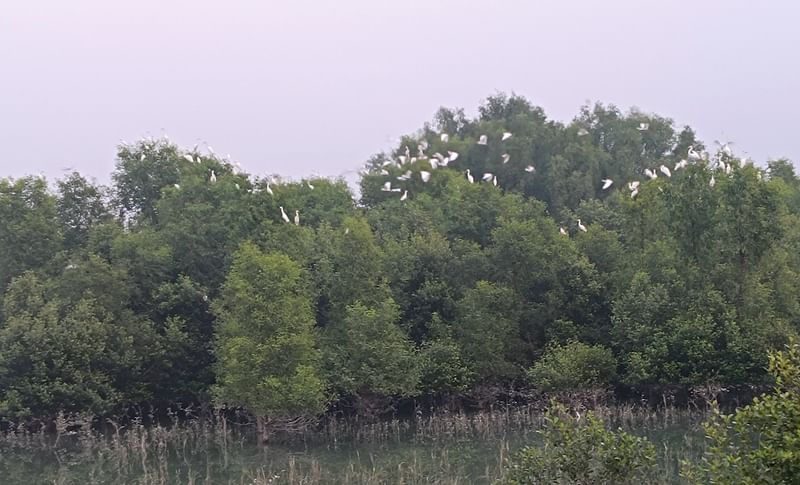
(425, 176)
(188, 158)
(506, 136)
(452, 156)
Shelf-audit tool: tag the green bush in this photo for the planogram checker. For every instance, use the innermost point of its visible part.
(581, 451)
(573, 366)
(759, 443)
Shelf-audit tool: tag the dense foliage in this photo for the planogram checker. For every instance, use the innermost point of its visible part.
(182, 281)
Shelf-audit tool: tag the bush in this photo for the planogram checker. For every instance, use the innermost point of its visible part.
(759, 443)
(573, 366)
(581, 451)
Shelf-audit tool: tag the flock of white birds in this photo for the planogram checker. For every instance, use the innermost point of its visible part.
(438, 160)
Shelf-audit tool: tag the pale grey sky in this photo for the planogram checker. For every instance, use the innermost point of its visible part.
(299, 87)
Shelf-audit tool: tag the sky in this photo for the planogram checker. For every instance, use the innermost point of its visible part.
(305, 88)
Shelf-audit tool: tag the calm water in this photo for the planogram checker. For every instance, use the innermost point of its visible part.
(444, 449)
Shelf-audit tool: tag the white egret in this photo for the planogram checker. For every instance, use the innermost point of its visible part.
(581, 226)
(408, 151)
(188, 158)
(177, 186)
(405, 176)
(199, 160)
(712, 182)
(470, 177)
(141, 159)
(283, 215)
(404, 196)
(452, 156)
(634, 192)
(633, 185)
(309, 185)
(607, 183)
(387, 187)
(665, 170)
(483, 140)
(425, 176)
(682, 164)
(402, 159)
(530, 169)
(237, 186)
(297, 218)
(444, 137)
(506, 136)
(650, 173)
(487, 176)
(583, 132)
(506, 157)
(384, 172)
(694, 155)
(434, 163)
(269, 189)
(213, 177)
(494, 180)
(643, 126)
(562, 231)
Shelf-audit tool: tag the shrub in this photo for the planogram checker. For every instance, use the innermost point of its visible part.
(759, 443)
(573, 366)
(581, 451)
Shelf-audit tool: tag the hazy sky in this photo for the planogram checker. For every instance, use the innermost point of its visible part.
(301, 87)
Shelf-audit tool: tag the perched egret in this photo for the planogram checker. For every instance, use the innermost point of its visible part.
(309, 185)
(141, 159)
(177, 186)
(452, 156)
(494, 180)
(188, 158)
(506, 136)
(634, 192)
(682, 164)
(425, 176)
(283, 215)
(405, 176)
(487, 176)
(712, 182)
(213, 177)
(607, 183)
(434, 163)
(296, 218)
(694, 155)
(470, 177)
(581, 226)
(483, 140)
(650, 173)
(444, 137)
(408, 152)
(402, 159)
(665, 170)
(562, 231)
(506, 157)
(633, 185)
(583, 132)
(530, 169)
(404, 196)
(643, 126)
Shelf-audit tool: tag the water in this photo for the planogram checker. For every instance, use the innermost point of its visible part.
(446, 449)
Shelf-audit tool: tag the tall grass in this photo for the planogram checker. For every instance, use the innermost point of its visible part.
(441, 447)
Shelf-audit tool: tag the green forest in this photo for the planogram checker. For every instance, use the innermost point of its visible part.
(504, 251)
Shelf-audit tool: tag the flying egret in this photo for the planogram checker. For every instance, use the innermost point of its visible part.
(188, 158)
(607, 183)
(562, 231)
(425, 176)
(470, 177)
(643, 126)
(530, 169)
(506, 157)
(483, 140)
(665, 170)
(283, 215)
(581, 226)
(404, 196)
(296, 217)
(269, 189)
(452, 156)
(583, 132)
(213, 177)
(487, 176)
(506, 136)
(444, 137)
(712, 182)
